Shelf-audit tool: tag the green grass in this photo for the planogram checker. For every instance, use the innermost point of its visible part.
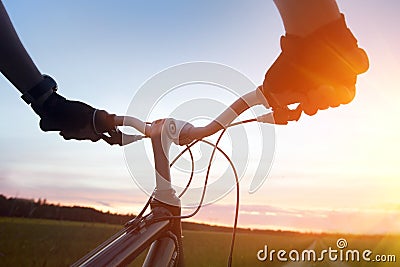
(33, 242)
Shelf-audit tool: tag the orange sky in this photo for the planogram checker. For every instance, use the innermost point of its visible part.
(334, 171)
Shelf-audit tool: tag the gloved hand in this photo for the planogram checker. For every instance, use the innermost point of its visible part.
(74, 119)
(317, 71)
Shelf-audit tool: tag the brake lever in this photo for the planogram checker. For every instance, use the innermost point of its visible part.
(116, 137)
(283, 115)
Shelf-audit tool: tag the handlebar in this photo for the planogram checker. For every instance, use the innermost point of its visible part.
(184, 132)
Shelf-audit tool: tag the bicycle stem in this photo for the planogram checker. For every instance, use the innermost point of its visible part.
(163, 133)
(161, 139)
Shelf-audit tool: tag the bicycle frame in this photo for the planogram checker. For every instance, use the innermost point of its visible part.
(165, 236)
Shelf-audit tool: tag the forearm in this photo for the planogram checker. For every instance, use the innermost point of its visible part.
(302, 17)
(15, 63)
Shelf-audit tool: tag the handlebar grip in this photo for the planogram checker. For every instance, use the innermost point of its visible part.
(133, 122)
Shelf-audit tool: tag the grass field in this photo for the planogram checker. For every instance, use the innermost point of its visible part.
(33, 242)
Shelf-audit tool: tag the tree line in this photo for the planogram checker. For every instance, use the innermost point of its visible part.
(40, 209)
(29, 208)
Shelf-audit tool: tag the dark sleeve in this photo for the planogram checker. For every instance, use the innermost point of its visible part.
(15, 63)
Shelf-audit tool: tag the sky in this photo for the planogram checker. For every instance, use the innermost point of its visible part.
(336, 171)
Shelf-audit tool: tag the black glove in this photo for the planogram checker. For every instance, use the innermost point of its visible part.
(74, 119)
(318, 71)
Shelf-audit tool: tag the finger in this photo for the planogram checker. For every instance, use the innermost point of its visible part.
(317, 98)
(71, 135)
(328, 97)
(49, 125)
(287, 98)
(79, 135)
(65, 136)
(346, 93)
(103, 121)
(309, 108)
(283, 115)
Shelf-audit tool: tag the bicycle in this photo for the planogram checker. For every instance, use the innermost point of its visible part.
(161, 229)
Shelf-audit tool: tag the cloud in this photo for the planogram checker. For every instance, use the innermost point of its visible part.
(104, 204)
(307, 220)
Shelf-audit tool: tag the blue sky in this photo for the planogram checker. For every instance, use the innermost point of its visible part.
(101, 52)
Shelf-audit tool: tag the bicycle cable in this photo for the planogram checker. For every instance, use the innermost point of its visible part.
(236, 178)
(140, 215)
(206, 181)
(237, 204)
(204, 188)
(191, 154)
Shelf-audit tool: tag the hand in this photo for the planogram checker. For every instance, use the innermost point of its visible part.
(317, 71)
(73, 119)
